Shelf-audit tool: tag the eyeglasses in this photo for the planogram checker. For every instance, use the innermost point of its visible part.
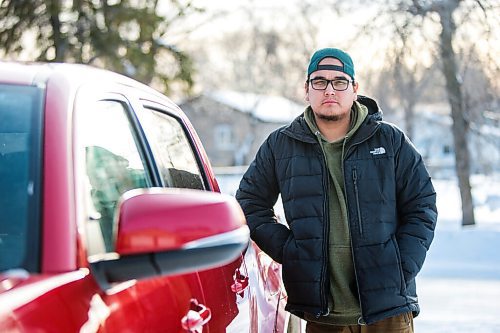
(337, 84)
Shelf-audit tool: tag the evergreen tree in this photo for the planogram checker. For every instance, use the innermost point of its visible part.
(125, 36)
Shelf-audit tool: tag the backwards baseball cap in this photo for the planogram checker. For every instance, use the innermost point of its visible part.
(347, 65)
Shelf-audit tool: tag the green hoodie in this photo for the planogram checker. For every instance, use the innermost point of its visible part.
(343, 302)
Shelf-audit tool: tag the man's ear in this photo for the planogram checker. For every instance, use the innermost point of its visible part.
(306, 90)
(355, 87)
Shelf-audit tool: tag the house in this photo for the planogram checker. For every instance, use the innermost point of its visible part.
(433, 138)
(233, 125)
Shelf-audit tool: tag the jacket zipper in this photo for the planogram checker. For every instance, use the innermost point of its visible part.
(356, 193)
(360, 319)
(326, 225)
(326, 231)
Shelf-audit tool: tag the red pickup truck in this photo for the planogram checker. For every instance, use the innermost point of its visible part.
(111, 218)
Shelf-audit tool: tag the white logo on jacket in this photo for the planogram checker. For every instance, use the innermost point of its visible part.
(378, 151)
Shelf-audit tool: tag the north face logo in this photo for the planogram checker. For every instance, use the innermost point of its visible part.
(378, 151)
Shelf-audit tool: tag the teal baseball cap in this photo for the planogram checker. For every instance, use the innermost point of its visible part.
(346, 60)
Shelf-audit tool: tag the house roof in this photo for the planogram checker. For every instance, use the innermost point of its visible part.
(271, 109)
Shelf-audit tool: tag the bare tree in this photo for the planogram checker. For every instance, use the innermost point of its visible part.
(411, 81)
(409, 17)
(460, 127)
(269, 52)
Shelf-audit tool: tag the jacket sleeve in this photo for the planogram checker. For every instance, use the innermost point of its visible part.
(416, 203)
(257, 195)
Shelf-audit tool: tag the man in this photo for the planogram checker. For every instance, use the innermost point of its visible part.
(358, 201)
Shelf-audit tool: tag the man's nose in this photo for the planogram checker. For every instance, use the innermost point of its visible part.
(329, 88)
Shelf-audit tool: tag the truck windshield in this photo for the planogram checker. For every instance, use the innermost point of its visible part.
(20, 176)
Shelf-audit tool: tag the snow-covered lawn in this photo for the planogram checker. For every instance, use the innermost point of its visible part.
(459, 286)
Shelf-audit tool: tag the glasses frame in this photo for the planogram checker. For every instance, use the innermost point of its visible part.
(330, 82)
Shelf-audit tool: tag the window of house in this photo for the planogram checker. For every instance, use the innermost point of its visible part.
(224, 136)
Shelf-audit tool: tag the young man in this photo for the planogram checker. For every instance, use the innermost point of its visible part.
(358, 201)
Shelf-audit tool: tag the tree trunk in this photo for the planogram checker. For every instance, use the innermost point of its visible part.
(410, 120)
(460, 126)
(54, 8)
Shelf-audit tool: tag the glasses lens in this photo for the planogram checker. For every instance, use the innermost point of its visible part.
(319, 84)
(340, 84)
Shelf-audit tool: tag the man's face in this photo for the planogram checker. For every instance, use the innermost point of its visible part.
(329, 104)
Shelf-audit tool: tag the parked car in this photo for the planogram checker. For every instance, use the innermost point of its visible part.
(111, 218)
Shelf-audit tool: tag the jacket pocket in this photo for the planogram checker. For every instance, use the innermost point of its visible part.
(400, 264)
(356, 197)
(285, 246)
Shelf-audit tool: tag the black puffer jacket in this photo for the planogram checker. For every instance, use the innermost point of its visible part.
(391, 208)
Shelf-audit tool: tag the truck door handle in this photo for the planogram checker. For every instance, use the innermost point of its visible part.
(197, 316)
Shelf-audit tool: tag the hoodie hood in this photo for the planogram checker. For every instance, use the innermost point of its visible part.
(298, 128)
(374, 110)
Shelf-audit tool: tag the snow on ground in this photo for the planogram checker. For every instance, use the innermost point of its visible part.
(459, 286)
